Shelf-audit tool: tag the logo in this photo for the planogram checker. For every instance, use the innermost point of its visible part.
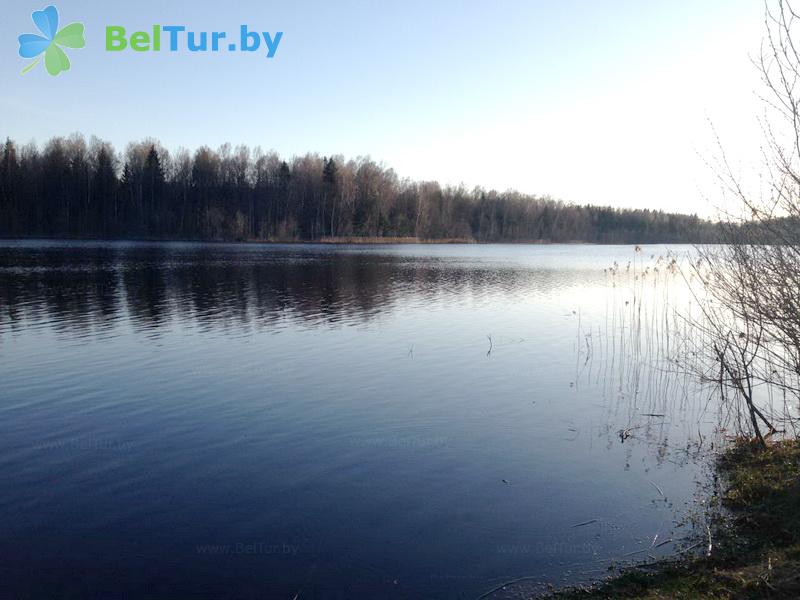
(51, 41)
(177, 37)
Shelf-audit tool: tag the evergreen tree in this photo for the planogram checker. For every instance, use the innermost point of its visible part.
(8, 186)
(153, 192)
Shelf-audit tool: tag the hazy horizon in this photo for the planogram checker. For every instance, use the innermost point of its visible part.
(173, 153)
(592, 105)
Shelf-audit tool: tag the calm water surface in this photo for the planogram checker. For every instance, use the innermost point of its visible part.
(248, 421)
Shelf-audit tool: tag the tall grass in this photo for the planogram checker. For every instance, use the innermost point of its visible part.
(656, 354)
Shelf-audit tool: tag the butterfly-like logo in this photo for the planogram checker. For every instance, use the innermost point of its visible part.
(50, 42)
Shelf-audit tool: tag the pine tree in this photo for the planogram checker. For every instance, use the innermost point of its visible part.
(8, 185)
(330, 192)
(153, 192)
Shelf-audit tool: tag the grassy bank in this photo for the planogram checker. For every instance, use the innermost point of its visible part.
(755, 549)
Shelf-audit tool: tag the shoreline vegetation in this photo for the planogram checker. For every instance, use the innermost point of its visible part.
(750, 550)
(331, 241)
(743, 341)
(71, 188)
(740, 342)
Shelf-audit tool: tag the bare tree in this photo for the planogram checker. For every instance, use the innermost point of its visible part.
(751, 314)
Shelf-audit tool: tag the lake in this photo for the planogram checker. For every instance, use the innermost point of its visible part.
(310, 421)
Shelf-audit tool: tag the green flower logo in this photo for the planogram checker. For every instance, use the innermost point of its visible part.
(50, 42)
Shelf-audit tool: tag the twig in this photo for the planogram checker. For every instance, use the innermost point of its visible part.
(660, 491)
(692, 547)
(585, 523)
(502, 586)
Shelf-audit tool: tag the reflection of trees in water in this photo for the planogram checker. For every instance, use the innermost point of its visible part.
(92, 287)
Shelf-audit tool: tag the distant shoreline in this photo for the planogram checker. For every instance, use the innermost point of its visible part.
(351, 241)
(74, 188)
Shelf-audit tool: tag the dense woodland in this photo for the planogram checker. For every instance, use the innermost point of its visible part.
(77, 189)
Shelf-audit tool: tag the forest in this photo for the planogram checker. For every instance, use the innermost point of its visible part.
(74, 188)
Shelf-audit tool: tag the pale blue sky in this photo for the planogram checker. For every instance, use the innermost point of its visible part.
(590, 101)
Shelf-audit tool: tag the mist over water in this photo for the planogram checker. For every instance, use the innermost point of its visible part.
(255, 421)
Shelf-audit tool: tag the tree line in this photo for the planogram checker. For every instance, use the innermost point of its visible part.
(74, 188)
